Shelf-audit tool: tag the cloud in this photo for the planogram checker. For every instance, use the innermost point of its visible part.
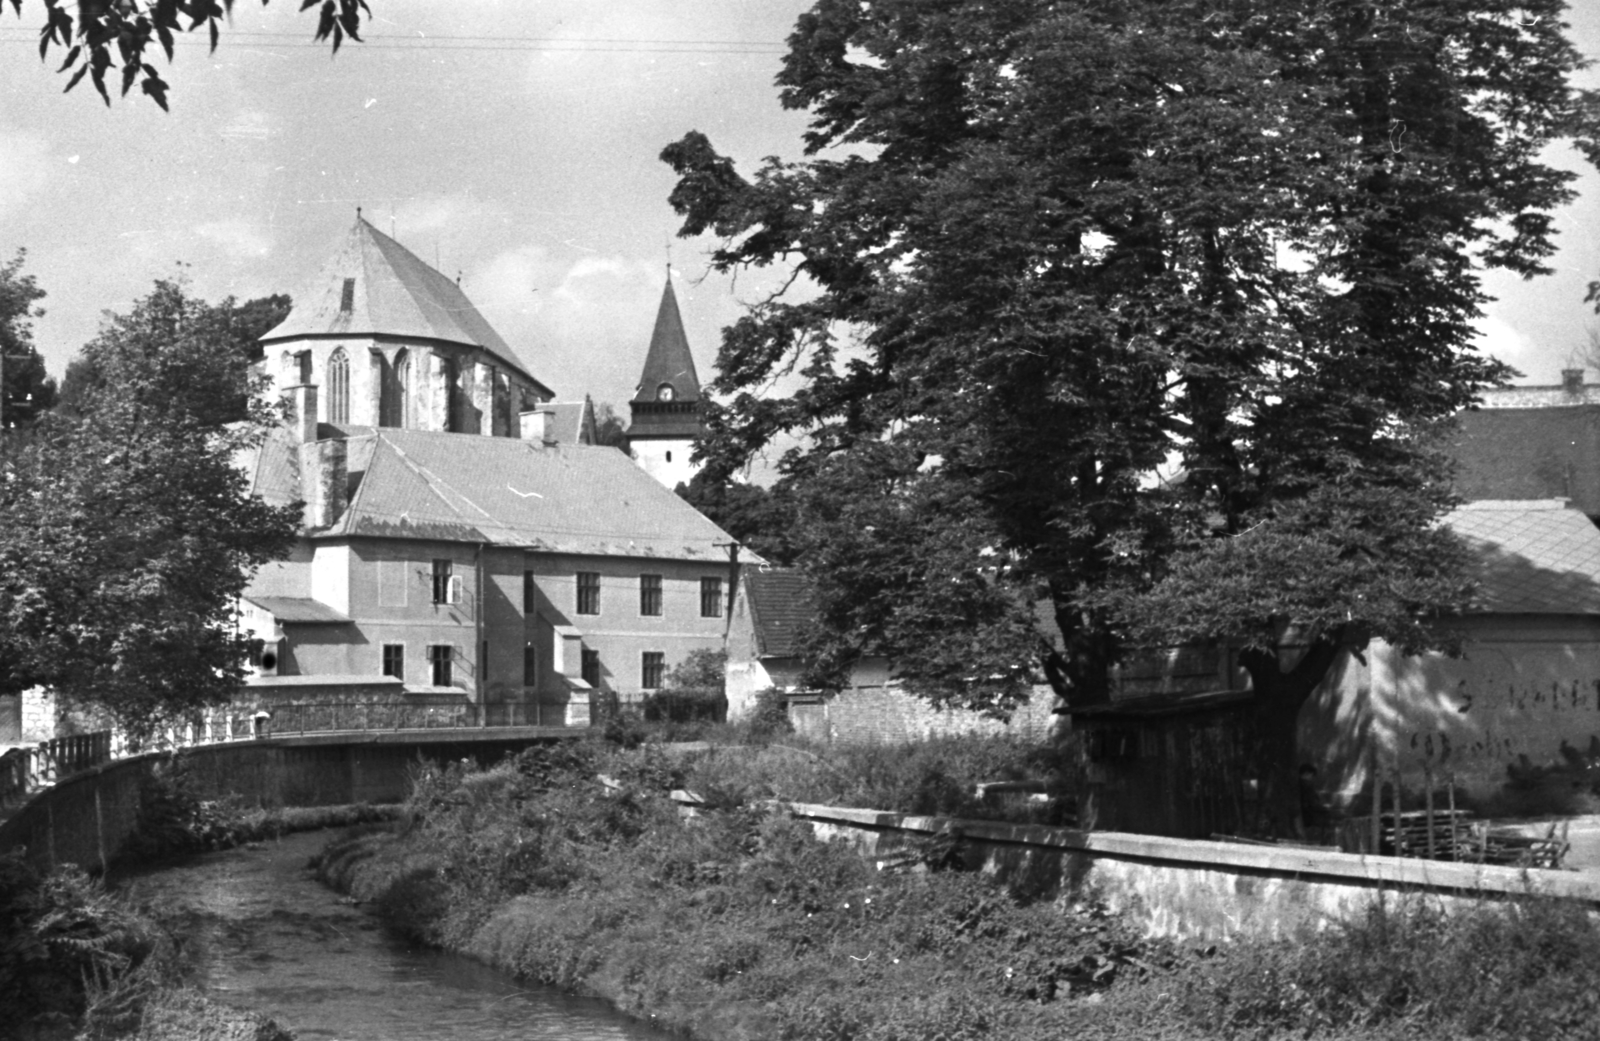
(24, 169)
(238, 238)
(1499, 340)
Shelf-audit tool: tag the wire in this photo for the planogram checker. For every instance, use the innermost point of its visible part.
(598, 44)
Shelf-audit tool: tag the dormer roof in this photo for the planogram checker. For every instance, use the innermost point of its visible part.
(374, 286)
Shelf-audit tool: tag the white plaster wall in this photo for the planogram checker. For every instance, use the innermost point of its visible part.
(1525, 695)
(652, 457)
(330, 576)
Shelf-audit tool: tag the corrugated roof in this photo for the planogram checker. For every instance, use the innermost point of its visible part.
(392, 293)
(561, 498)
(780, 608)
(1536, 557)
(669, 359)
(303, 610)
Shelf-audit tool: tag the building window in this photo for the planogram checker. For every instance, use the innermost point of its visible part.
(711, 598)
(530, 665)
(302, 361)
(527, 592)
(338, 387)
(591, 667)
(588, 592)
(394, 406)
(653, 670)
(442, 573)
(394, 660)
(650, 594)
(347, 296)
(439, 656)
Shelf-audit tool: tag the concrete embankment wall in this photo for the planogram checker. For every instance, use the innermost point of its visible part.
(1194, 889)
(86, 819)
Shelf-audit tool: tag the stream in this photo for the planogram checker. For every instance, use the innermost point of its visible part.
(270, 938)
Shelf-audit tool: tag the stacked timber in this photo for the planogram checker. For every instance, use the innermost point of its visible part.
(1454, 835)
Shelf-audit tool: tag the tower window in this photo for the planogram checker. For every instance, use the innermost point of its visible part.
(669, 455)
(347, 297)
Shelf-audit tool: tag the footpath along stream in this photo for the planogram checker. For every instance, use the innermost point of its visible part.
(270, 938)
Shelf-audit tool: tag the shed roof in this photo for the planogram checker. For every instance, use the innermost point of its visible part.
(1535, 557)
(298, 610)
(391, 293)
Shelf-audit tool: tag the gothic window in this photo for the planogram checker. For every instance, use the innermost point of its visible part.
(338, 387)
(395, 406)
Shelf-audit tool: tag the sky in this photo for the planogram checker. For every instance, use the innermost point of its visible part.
(511, 142)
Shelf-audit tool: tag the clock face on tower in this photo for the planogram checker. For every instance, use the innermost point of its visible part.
(664, 392)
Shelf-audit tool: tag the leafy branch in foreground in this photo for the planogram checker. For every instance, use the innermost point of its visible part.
(105, 31)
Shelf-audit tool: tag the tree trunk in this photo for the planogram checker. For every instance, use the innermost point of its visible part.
(1279, 696)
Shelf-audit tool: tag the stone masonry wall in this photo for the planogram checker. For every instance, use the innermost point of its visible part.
(885, 714)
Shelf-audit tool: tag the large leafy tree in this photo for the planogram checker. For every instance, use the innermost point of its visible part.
(126, 532)
(207, 366)
(25, 389)
(1146, 309)
(101, 36)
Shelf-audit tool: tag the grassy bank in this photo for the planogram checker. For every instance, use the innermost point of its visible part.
(737, 924)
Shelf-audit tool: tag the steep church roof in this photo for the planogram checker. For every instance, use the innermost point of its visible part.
(667, 404)
(373, 286)
(669, 360)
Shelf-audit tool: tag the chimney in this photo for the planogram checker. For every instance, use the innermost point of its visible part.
(324, 477)
(1572, 381)
(537, 426)
(302, 418)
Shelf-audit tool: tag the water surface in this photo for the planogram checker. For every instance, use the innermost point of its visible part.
(273, 939)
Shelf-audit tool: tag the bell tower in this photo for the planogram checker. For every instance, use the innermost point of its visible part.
(665, 411)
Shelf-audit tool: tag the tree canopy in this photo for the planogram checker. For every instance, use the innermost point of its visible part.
(26, 389)
(1144, 310)
(126, 532)
(105, 32)
(206, 365)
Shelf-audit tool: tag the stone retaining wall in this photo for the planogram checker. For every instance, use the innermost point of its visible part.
(1195, 889)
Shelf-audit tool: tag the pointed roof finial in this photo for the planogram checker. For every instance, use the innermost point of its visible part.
(358, 213)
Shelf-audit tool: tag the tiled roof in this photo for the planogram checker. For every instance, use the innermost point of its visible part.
(669, 359)
(1537, 557)
(561, 498)
(780, 607)
(297, 609)
(1530, 453)
(393, 294)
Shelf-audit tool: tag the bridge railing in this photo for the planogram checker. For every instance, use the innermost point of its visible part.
(27, 769)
